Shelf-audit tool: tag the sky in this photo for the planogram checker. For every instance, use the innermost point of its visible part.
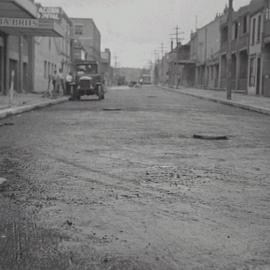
(134, 29)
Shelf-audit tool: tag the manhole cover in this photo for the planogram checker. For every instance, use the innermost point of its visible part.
(210, 137)
(112, 109)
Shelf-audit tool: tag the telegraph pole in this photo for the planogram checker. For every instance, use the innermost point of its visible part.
(178, 35)
(229, 53)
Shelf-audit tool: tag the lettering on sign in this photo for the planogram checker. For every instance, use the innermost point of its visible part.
(19, 22)
(49, 13)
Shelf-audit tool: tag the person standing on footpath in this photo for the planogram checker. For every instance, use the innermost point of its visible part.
(54, 77)
(69, 80)
(62, 82)
(57, 83)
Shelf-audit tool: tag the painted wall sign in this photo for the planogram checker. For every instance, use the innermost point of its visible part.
(19, 23)
(52, 13)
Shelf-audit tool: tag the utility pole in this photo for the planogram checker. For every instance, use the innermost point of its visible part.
(177, 35)
(229, 53)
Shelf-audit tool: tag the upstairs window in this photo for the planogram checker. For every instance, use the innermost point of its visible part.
(253, 31)
(245, 22)
(259, 29)
(235, 35)
(78, 30)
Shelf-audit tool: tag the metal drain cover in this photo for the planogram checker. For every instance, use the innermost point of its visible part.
(112, 109)
(210, 137)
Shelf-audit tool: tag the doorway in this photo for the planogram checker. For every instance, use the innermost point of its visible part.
(13, 65)
(258, 81)
(1, 70)
(25, 77)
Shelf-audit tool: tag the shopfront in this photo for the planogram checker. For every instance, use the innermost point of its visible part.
(20, 22)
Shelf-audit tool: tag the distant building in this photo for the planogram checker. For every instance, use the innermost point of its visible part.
(86, 31)
(105, 66)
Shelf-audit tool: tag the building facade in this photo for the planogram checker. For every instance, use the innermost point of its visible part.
(105, 66)
(52, 53)
(20, 22)
(266, 51)
(86, 31)
(255, 47)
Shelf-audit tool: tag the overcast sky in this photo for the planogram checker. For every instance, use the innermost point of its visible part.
(133, 29)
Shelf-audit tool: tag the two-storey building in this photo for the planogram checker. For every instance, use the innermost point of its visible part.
(256, 47)
(20, 22)
(52, 53)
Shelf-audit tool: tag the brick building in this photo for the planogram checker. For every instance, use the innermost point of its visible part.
(86, 31)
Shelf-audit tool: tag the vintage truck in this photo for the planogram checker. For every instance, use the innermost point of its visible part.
(88, 80)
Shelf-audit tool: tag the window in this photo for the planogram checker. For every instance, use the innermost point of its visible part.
(253, 31)
(78, 30)
(235, 30)
(252, 72)
(259, 29)
(267, 14)
(49, 69)
(45, 69)
(245, 21)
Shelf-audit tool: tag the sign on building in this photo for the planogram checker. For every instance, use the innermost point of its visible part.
(19, 22)
(52, 13)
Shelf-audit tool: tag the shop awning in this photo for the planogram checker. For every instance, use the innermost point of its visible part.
(30, 27)
(21, 17)
(18, 9)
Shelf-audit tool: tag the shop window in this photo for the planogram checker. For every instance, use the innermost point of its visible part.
(45, 70)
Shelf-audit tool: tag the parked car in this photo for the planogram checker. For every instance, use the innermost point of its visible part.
(132, 83)
(88, 80)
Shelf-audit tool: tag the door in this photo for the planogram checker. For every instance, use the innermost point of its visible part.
(13, 65)
(25, 77)
(258, 80)
(1, 70)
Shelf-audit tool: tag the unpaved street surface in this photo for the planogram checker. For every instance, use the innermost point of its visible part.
(122, 184)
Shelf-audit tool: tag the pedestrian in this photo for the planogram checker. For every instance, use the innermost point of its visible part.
(54, 77)
(69, 80)
(57, 83)
(62, 82)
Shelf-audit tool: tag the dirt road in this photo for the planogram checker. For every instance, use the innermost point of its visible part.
(122, 184)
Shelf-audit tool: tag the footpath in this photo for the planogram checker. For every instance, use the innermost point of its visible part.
(26, 102)
(252, 103)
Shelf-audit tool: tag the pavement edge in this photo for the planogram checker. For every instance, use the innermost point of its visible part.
(221, 101)
(27, 108)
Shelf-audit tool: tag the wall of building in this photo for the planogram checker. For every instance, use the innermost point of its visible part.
(16, 43)
(52, 54)
(88, 34)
